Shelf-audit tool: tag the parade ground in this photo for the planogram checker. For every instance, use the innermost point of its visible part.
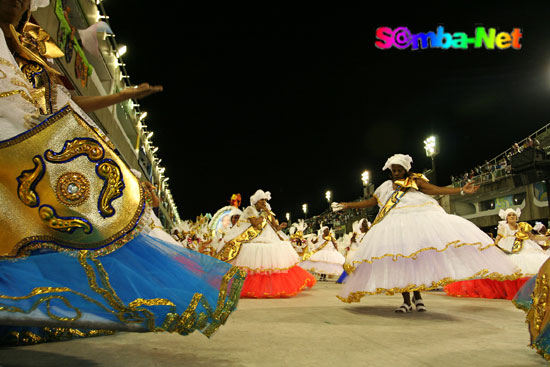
(316, 329)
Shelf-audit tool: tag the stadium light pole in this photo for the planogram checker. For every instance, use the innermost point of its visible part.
(432, 150)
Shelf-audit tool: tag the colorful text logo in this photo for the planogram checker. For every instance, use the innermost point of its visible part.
(402, 38)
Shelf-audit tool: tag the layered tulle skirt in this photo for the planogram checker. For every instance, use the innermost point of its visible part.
(420, 247)
(486, 288)
(146, 285)
(327, 261)
(272, 271)
(528, 260)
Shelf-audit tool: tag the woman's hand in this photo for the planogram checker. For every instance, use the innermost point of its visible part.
(141, 91)
(470, 188)
(338, 206)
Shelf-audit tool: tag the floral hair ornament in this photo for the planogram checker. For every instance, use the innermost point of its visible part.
(404, 160)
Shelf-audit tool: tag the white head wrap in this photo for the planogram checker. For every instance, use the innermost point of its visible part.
(403, 160)
(235, 211)
(35, 4)
(259, 195)
(538, 226)
(504, 213)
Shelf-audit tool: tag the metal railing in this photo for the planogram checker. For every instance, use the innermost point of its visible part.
(499, 167)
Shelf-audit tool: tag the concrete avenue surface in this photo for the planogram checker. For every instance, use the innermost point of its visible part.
(316, 329)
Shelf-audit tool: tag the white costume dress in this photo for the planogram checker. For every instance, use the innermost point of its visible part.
(531, 256)
(269, 260)
(354, 247)
(417, 246)
(326, 258)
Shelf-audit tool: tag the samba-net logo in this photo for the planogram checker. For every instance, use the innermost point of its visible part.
(402, 38)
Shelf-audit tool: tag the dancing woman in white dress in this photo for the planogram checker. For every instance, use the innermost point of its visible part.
(515, 239)
(325, 259)
(255, 245)
(519, 244)
(414, 245)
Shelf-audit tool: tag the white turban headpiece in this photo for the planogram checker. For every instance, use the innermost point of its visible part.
(259, 195)
(403, 160)
(235, 211)
(504, 213)
(35, 4)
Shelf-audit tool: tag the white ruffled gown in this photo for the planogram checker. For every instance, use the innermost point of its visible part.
(328, 260)
(417, 246)
(270, 262)
(529, 259)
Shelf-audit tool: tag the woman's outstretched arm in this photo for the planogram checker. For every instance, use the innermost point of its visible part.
(94, 103)
(360, 204)
(429, 189)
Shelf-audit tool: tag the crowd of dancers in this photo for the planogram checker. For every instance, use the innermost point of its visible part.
(82, 252)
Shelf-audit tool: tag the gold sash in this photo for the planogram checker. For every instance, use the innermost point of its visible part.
(308, 254)
(62, 187)
(521, 235)
(402, 187)
(231, 249)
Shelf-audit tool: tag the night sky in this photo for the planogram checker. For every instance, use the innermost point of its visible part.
(298, 101)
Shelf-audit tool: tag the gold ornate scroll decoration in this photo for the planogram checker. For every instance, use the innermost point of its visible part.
(52, 220)
(74, 148)
(112, 189)
(27, 182)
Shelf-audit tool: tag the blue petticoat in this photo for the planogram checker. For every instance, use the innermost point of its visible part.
(342, 277)
(146, 285)
(523, 299)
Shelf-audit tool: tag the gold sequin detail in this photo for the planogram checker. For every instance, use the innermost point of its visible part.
(134, 312)
(52, 220)
(12, 67)
(232, 248)
(51, 334)
(20, 92)
(350, 268)
(112, 188)
(27, 182)
(74, 148)
(72, 189)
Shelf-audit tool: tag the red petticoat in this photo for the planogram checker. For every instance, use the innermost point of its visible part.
(485, 288)
(277, 285)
